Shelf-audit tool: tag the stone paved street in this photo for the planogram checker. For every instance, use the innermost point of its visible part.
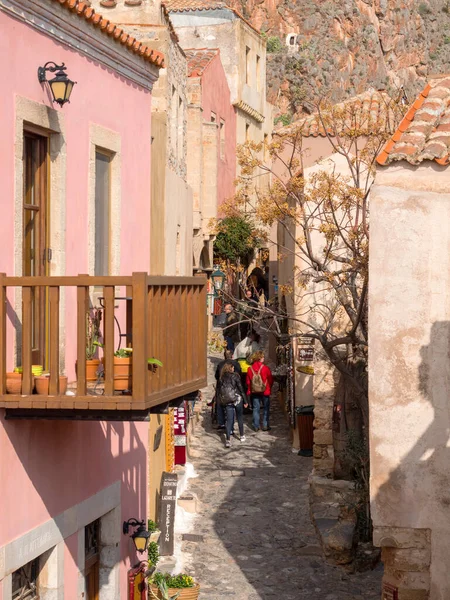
(258, 540)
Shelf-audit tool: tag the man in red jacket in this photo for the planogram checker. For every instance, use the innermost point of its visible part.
(259, 385)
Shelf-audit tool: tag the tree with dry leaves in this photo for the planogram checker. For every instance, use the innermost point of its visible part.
(319, 220)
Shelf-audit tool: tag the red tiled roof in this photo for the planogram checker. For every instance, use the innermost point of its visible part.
(84, 11)
(194, 5)
(362, 113)
(198, 60)
(424, 133)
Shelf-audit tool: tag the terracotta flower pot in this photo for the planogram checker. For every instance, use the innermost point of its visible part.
(13, 383)
(91, 369)
(43, 382)
(191, 593)
(123, 370)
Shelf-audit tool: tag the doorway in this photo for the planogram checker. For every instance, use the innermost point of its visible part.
(35, 251)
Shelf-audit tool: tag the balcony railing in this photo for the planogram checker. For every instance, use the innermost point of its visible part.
(163, 318)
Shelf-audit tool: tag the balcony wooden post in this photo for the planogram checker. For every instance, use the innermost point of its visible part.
(3, 349)
(140, 323)
(82, 309)
(53, 389)
(108, 353)
(26, 340)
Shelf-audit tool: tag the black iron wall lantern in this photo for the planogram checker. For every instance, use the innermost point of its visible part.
(218, 279)
(61, 86)
(140, 537)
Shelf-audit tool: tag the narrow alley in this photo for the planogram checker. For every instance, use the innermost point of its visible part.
(256, 540)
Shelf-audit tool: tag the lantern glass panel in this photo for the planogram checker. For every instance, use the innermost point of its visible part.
(58, 90)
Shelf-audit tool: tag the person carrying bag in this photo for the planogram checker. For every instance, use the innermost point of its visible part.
(231, 395)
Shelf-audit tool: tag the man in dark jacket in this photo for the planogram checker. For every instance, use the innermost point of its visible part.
(231, 328)
(220, 411)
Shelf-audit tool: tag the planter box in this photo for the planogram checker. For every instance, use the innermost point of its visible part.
(183, 593)
(154, 536)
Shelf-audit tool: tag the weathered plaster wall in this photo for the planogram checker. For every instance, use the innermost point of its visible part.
(409, 374)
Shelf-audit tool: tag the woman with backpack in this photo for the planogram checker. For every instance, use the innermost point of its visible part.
(259, 385)
(232, 396)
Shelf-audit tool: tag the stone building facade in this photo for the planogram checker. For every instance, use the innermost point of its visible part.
(409, 337)
(213, 24)
(211, 146)
(171, 223)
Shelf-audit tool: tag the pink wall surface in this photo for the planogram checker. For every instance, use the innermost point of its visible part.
(216, 98)
(47, 467)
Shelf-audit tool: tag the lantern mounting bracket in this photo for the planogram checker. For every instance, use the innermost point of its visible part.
(131, 523)
(42, 70)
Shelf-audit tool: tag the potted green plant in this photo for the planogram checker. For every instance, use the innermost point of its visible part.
(123, 367)
(164, 586)
(93, 322)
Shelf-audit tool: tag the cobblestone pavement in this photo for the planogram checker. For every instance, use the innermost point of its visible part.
(258, 540)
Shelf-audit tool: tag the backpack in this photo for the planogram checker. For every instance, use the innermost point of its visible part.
(258, 385)
(226, 392)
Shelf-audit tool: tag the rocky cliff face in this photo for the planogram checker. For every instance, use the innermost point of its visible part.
(343, 47)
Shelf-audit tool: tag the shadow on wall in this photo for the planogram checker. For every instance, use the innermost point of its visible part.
(55, 465)
(415, 500)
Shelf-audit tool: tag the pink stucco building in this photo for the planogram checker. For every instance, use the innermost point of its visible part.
(75, 199)
(211, 157)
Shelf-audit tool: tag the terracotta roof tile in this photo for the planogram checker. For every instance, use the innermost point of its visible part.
(360, 113)
(195, 5)
(84, 11)
(199, 59)
(425, 130)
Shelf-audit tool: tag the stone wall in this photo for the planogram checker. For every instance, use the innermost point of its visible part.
(406, 554)
(324, 393)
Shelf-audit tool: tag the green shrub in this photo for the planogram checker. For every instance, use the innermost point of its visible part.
(424, 9)
(153, 554)
(274, 44)
(285, 119)
(152, 526)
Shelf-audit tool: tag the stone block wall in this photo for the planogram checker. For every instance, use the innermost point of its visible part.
(406, 554)
(324, 393)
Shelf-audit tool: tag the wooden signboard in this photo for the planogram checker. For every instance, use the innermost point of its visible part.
(167, 506)
(136, 583)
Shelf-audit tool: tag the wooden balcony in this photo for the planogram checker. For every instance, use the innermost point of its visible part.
(160, 317)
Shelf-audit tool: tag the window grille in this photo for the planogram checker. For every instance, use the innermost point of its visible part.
(25, 582)
(91, 539)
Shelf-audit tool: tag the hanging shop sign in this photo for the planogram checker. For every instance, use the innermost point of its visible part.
(167, 506)
(390, 592)
(305, 353)
(136, 583)
(179, 430)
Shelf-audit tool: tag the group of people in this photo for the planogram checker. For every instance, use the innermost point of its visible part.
(243, 383)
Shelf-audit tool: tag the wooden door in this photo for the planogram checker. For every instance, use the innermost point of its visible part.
(92, 560)
(35, 251)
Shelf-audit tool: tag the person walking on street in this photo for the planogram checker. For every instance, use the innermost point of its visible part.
(232, 396)
(231, 328)
(259, 386)
(220, 409)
